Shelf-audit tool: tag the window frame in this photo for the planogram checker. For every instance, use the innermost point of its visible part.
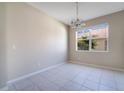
(90, 40)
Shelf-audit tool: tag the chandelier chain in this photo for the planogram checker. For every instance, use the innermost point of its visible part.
(77, 23)
(77, 10)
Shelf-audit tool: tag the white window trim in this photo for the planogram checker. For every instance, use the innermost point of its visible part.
(90, 50)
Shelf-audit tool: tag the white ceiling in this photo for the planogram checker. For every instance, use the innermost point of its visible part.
(65, 11)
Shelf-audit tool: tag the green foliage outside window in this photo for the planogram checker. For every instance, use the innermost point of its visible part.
(83, 43)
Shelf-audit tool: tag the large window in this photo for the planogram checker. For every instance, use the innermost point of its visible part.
(93, 38)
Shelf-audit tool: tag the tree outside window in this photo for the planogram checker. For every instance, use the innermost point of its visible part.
(93, 38)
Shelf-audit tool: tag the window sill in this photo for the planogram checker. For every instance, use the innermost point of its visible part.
(92, 51)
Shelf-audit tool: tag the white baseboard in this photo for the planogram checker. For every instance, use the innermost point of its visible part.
(34, 73)
(4, 88)
(97, 66)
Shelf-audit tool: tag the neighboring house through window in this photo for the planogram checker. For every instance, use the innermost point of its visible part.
(94, 38)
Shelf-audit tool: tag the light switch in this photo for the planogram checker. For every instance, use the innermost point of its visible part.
(13, 47)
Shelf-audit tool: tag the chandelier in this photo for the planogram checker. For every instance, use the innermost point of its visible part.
(77, 23)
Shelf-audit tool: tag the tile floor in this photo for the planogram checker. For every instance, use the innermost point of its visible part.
(72, 77)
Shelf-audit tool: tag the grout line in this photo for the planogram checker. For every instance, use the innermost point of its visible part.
(116, 85)
(14, 86)
(34, 73)
(35, 84)
(100, 81)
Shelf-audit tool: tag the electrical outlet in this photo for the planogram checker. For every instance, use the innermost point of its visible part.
(39, 64)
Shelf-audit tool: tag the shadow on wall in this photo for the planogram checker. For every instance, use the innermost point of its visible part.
(3, 76)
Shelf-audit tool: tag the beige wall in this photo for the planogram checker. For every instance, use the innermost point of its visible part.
(34, 40)
(2, 45)
(113, 58)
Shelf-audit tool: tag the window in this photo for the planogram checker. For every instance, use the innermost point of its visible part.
(93, 38)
